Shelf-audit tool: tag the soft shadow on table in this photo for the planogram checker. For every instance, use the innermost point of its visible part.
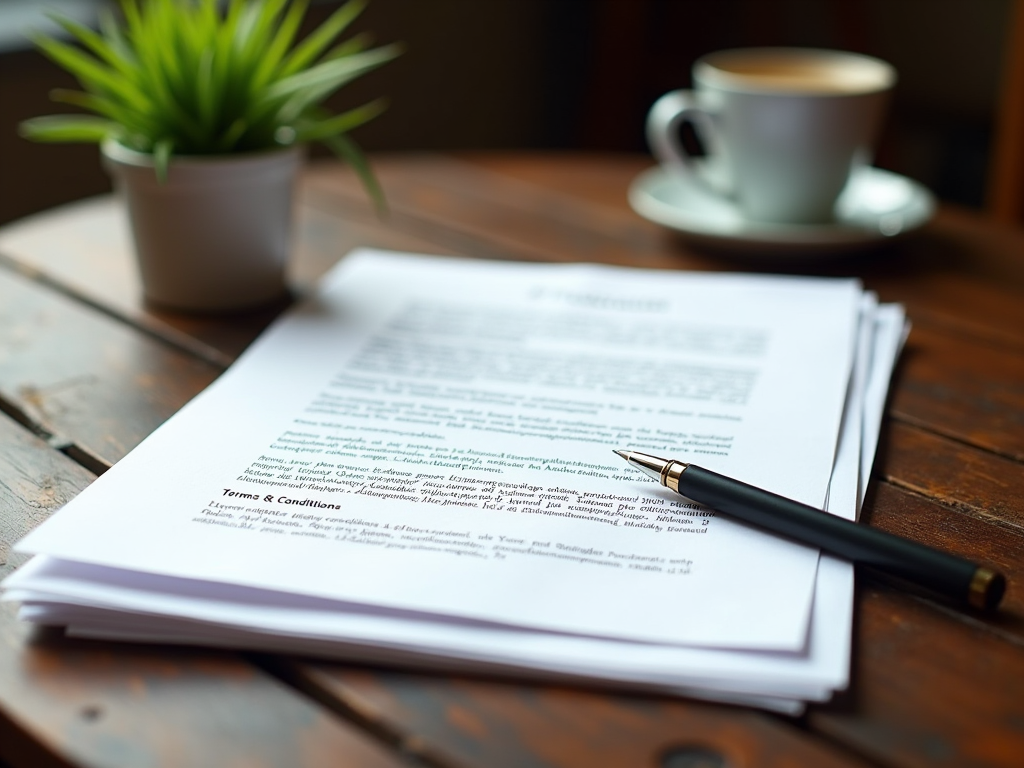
(782, 260)
(914, 255)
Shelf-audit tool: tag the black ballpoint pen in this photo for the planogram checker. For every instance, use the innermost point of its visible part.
(943, 573)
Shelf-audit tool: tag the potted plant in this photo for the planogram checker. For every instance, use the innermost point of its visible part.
(202, 109)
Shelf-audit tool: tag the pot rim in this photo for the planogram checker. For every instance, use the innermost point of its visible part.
(117, 152)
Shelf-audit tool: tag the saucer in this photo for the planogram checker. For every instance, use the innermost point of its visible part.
(877, 206)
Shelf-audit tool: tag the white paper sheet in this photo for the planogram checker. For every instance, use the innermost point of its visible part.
(502, 388)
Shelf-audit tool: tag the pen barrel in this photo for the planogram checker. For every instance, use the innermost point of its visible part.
(944, 573)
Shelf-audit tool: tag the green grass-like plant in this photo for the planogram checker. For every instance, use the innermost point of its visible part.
(202, 77)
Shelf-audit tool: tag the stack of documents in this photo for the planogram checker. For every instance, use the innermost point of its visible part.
(415, 466)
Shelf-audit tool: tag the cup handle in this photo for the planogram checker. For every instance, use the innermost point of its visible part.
(663, 121)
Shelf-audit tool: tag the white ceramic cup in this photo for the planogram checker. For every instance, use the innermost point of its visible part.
(783, 128)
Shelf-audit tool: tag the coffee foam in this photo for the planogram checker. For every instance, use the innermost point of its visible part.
(795, 71)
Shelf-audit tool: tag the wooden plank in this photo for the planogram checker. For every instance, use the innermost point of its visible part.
(964, 389)
(64, 702)
(75, 372)
(461, 209)
(959, 305)
(37, 480)
(478, 722)
(964, 478)
(928, 692)
(597, 179)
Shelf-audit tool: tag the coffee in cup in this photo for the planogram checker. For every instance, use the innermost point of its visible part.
(782, 128)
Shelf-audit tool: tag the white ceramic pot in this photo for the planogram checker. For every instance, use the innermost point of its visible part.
(215, 235)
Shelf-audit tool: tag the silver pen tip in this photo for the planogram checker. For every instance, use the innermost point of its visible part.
(651, 466)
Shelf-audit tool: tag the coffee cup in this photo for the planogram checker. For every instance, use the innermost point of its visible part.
(782, 128)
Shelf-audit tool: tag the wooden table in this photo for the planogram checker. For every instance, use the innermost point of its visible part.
(86, 372)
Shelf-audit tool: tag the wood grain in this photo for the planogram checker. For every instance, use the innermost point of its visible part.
(940, 385)
(465, 210)
(37, 480)
(928, 690)
(499, 724)
(961, 477)
(83, 376)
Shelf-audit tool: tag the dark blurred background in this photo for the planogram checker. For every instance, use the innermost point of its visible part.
(580, 74)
